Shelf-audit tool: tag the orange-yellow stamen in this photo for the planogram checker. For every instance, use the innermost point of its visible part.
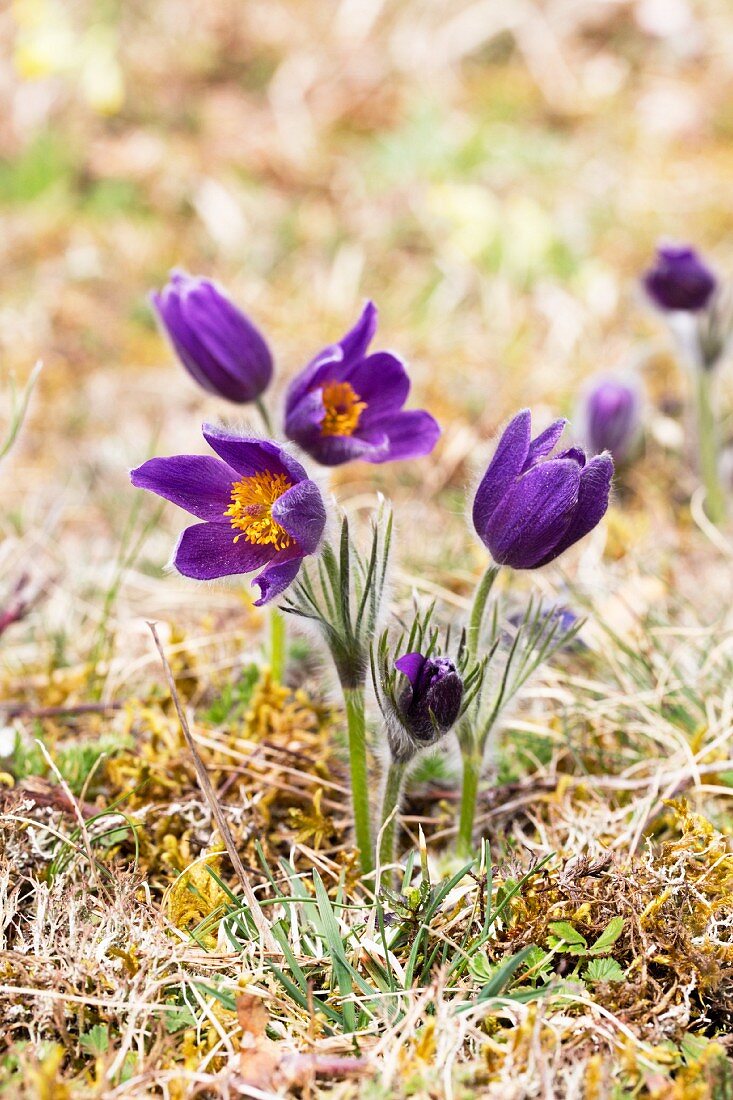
(343, 409)
(250, 512)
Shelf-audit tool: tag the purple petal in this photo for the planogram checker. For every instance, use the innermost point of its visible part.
(230, 337)
(545, 441)
(577, 454)
(381, 381)
(208, 550)
(327, 366)
(504, 468)
(334, 450)
(410, 434)
(411, 665)
(195, 357)
(276, 577)
(301, 512)
(533, 516)
(249, 455)
(355, 343)
(593, 494)
(303, 421)
(199, 483)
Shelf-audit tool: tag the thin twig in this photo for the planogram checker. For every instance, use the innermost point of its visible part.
(23, 710)
(209, 793)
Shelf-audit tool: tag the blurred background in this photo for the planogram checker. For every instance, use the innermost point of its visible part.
(494, 173)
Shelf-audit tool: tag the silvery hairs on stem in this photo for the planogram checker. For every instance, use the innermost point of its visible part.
(423, 688)
(342, 593)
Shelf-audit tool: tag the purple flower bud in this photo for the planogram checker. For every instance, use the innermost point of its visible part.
(218, 345)
(431, 701)
(610, 416)
(347, 404)
(259, 508)
(531, 506)
(680, 280)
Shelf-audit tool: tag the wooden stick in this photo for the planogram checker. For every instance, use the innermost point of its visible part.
(209, 793)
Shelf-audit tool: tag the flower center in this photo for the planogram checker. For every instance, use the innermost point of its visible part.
(343, 409)
(250, 512)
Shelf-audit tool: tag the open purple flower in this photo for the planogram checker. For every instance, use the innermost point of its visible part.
(217, 344)
(347, 404)
(431, 701)
(680, 280)
(610, 416)
(260, 510)
(531, 506)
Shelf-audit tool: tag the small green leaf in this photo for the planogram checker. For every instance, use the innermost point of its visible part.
(179, 1019)
(567, 938)
(96, 1040)
(608, 936)
(603, 970)
(693, 1046)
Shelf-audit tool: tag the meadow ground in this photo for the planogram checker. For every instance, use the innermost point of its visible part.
(496, 176)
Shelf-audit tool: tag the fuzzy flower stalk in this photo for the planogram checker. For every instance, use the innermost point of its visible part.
(422, 694)
(531, 505)
(342, 595)
(699, 314)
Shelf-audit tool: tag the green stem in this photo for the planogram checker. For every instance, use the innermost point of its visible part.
(390, 802)
(262, 410)
(278, 645)
(469, 795)
(355, 717)
(707, 442)
(483, 590)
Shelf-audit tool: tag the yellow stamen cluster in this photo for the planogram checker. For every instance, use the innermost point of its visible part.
(343, 409)
(250, 512)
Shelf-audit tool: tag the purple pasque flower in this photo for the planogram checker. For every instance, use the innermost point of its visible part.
(218, 345)
(260, 509)
(531, 505)
(679, 280)
(347, 404)
(431, 701)
(610, 416)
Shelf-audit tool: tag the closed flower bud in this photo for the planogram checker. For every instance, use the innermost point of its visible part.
(532, 505)
(610, 416)
(431, 701)
(218, 345)
(680, 280)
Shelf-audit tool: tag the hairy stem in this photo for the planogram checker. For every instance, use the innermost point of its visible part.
(264, 414)
(707, 443)
(356, 720)
(390, 806)
(478, 609)
(469, 795)
(278, 645)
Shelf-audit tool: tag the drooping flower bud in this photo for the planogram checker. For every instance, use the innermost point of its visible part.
(610, 416)
(431, 701)
(218, 345)
(680, 280)
(532, 505)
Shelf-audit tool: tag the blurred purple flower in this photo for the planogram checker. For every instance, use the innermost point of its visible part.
(610, 416)
(680, 280)
(529, 507)
(218, 345)
(258, 505)
(347, 404)
(431, 702)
